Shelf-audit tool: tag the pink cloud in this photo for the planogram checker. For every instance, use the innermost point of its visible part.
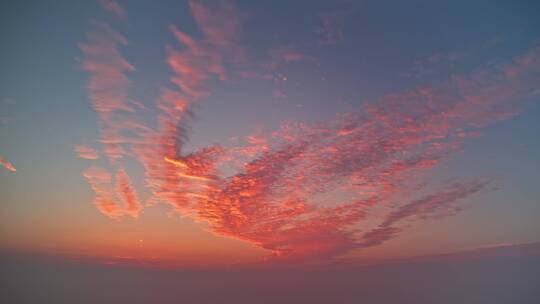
(100, 181)
(110, 192)
(85, 152)
(127, 193)
(303, 192)
(376, 154)
(108, 84)
(195, 63)
(6, 164)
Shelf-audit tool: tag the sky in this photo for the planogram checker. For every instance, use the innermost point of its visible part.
(309, 134)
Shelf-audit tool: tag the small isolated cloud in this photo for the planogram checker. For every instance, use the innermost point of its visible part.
(85, 152)
(7, 165)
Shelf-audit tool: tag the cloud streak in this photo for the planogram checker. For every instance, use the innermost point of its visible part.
(120, 130)
(100, 181)
(443, 203)
(85, 152)
(127, 194)
(108, 84)
(115, 197)
(7, 165)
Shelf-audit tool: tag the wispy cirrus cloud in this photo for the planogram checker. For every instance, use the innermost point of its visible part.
(108, 84)
(127, 193)
(114, 195)
(439, 204)
(120, 130)
(173, 175)
(122, 135)
(101, 182)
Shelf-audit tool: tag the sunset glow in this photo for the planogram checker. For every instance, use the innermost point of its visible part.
(270, 135)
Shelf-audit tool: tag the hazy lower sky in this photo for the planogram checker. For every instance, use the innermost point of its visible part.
(291, 133)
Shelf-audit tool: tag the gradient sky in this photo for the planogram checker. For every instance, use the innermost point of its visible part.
(202, 133)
